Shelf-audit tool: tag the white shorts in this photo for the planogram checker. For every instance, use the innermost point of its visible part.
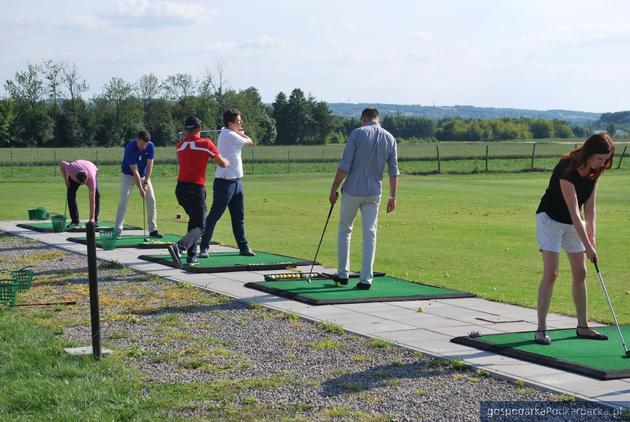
(552, 235)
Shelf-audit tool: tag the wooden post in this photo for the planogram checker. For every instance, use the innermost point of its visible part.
(437, 154)
(621, 158)
(533, 155)
(487, 157)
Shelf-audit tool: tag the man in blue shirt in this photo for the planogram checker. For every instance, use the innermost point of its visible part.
(136, 169)
(369, 148)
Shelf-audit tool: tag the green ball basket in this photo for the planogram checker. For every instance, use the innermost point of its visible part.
(108, 239)
(8, 292)
(23, 278)
(58, 223)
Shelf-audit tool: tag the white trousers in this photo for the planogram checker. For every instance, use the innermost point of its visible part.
(127, 185)
(369, 220)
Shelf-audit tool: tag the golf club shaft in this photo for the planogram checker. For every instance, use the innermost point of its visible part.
(601, 279)
(320, 242)
(144, 219)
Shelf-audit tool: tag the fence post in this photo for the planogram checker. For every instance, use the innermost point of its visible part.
(289, 160)
(324, 159)
(437, 155)
(252, 161)
(621, 158)
(533, 155)
(487, 155)
(54, 161)
(11, 162)
(98, 164)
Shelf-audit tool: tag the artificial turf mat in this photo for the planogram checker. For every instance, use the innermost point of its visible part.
(136, 241)
(48, 228)
(232, 261)
(324, 291)
(604, 360)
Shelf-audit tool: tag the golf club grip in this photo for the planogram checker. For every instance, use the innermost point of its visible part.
(596, 266)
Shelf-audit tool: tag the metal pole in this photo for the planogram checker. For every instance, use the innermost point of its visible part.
(93, 284)
(533, 155)
(323, 159)
(621, 158)
(11, 162)
(252, 161)
(288, 160)
(437, 152)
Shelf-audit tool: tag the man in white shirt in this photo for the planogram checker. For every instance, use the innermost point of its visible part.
(227, 189)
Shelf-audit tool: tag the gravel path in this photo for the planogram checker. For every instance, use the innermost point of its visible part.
(180, 334)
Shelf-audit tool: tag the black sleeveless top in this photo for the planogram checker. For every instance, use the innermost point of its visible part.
(553, 202)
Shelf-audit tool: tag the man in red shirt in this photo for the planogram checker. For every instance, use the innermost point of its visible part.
(193, 154)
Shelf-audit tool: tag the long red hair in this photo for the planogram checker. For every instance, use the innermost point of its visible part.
(600, 143)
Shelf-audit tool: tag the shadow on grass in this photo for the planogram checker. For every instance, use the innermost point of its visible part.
(194, 309)
(380, 377)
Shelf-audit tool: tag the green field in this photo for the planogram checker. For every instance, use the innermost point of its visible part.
(471, 232)
(454, 157)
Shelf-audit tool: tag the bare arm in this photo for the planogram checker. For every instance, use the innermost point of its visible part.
(220, 161)
(339, 177)
(92, 198)
(570, 197)
(137, 178)
(589, 215)
(63, 173)
(393, 186)
(149, 171)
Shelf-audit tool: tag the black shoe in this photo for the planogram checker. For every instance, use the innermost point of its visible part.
(156, 234)
(247, 252)
(363, 286)
(594, 336)
(175, 255)
(541, 337)
(337, 279)
(192, 260)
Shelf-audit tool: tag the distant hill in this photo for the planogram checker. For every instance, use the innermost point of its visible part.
(463, 111)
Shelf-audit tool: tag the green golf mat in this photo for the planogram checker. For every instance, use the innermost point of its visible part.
(604, 360)
(324, 291)
(48, 228)
(137, 241)
(232, 261)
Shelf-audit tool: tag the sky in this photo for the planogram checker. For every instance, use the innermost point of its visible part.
(533, 54)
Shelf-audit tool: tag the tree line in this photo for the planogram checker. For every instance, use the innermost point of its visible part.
(45, 106)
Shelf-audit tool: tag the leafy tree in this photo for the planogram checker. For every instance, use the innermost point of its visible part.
(280, 115)
(7, 115)
(32, 125)
(147, 87)
(158, 121)
(180, 88)
(119, 114)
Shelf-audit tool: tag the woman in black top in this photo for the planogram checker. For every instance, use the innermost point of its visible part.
(559, 224)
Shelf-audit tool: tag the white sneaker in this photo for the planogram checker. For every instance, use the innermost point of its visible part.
(72, 226)
(203, 253)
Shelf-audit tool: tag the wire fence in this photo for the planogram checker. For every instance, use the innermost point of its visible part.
(426, 158)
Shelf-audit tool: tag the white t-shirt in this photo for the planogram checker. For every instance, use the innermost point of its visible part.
(229, 145)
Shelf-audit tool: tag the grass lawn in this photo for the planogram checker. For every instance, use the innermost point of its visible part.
(470, 232)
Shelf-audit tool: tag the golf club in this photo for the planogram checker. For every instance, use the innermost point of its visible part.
(601, 279)
(144, 221)
(320, 243)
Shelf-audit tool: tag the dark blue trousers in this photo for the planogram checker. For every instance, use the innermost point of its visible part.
(192, 198)
(227, 194)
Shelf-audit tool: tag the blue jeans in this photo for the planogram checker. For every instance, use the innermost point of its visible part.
(227, 194)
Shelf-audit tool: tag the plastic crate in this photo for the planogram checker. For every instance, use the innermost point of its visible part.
(8, 292)
(58, 223)
(40, 213)
(108, 239)
(23, 278)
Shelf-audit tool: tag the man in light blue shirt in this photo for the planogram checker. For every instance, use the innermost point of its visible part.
(369, 148)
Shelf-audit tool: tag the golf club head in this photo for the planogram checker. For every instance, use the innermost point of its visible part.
(628, 353)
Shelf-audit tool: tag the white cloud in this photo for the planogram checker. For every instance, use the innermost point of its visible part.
(147, 12)
(574, 36)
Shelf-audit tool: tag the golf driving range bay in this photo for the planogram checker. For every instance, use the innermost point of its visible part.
(459, 236)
